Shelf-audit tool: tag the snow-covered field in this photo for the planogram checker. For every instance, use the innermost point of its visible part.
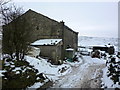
(86, 41)
(91, 41)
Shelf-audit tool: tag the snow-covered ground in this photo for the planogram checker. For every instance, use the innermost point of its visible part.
(85, 75)
(92, 41)
(46, 68)
(108, 82)
(77, 74)
(111, 75)
(53, 72)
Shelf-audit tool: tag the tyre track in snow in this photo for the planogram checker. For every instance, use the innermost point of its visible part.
(86, 75)
(92, 77)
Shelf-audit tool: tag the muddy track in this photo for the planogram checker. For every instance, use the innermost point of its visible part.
(93, 82)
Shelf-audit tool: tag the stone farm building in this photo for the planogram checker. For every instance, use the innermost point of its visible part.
(42, 29)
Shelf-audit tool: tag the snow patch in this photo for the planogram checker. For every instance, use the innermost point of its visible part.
(106, 79)
(36, 85)
(46, 42)
(1, 71)
(51, 71)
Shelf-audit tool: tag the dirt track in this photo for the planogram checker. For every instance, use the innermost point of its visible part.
(91, 81)
(86, 75)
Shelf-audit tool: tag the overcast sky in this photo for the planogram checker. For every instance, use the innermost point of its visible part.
(97, 19)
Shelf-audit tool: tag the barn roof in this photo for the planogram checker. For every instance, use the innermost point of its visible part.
(46, 42)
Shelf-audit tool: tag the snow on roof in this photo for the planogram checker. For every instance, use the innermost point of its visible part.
(100, 45)
(97, 46)
(46, 42)
(32, 47)
(69, 49)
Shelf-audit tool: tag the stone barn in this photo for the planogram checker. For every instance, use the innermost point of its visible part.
(42, 27)
(50, 48)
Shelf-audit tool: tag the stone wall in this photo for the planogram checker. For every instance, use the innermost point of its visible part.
(43, 27)
(53, 52)
(70, 38)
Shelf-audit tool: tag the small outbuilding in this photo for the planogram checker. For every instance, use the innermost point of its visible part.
(107, 48)
(69, 54)
(51, 48)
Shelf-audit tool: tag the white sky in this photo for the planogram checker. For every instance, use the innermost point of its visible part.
(97, 18)
(65, 0)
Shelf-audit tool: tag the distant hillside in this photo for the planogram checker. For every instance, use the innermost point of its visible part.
(87, 41)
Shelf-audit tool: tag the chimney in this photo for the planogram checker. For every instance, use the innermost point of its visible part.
(62, 22)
